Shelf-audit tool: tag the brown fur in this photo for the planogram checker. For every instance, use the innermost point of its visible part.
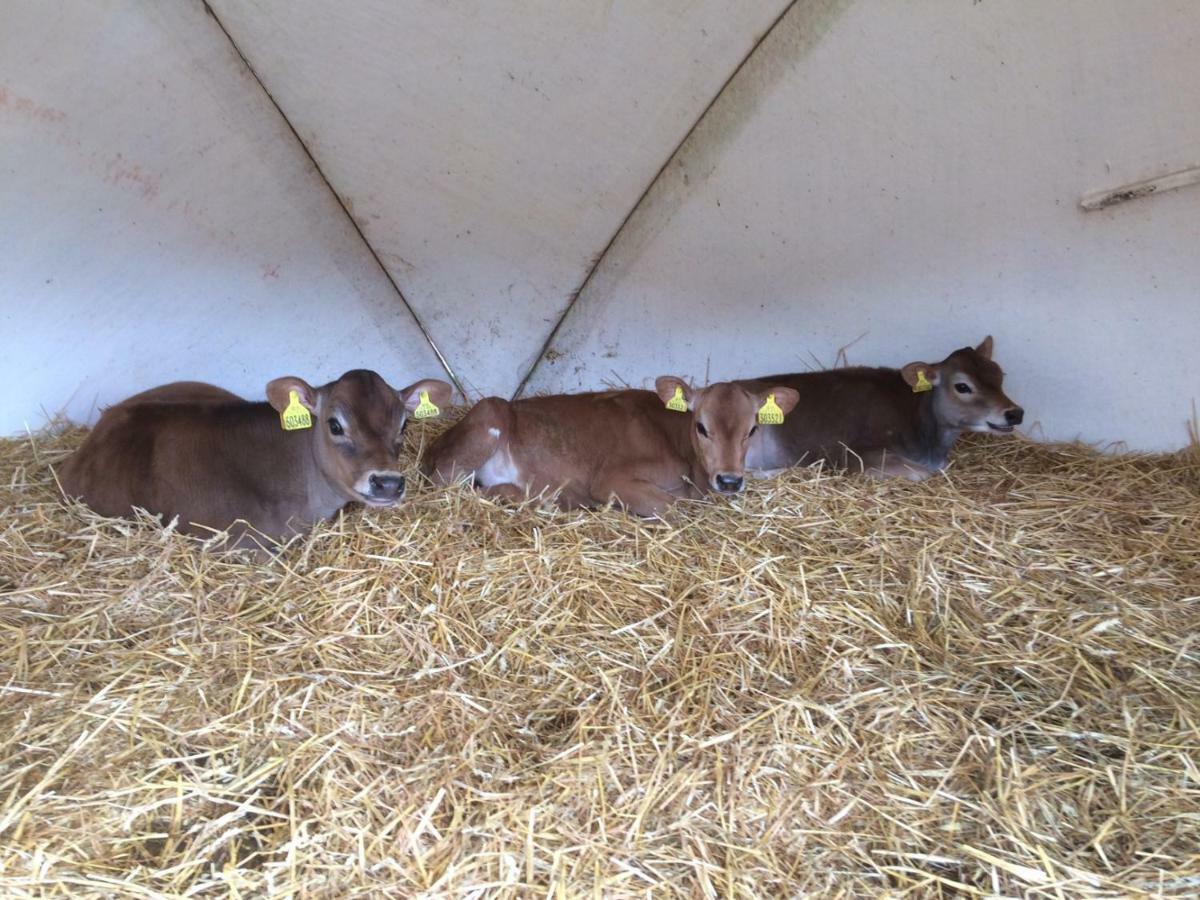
(215, 461)
(864, 418)
(595, 448)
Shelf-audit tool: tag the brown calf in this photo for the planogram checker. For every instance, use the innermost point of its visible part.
(626, 446)
(217, 461)
(887, 421)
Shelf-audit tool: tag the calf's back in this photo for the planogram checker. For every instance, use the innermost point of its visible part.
(843, 413)
(208, 461)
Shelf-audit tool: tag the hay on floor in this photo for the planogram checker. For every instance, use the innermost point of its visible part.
(984, 684)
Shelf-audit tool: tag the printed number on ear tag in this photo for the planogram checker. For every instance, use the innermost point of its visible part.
(295, 416)
(426, 409)
(770, 413)
(922, 383)
(677, 402)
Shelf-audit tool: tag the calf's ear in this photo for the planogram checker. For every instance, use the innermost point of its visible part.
(985, 347)
(439, 394)
(786, 398)
(672, 390)
(919, 374)
(279, 393)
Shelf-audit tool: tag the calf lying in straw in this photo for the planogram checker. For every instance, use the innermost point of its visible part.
(641, 449)
(216, 461)
(887, 421)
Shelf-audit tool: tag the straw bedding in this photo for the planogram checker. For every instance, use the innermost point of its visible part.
(983, 684)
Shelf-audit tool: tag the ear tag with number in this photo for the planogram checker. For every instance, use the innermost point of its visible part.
(922, 383)
(295, 416)
(426, 409)
(677, 402)
(770, 413)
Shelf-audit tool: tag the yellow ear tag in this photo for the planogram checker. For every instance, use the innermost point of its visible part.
(770, 413)
(677, 402)
(426, 409)
(922, 384)
(295, 416)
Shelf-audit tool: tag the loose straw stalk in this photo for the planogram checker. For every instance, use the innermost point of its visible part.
(983, 684)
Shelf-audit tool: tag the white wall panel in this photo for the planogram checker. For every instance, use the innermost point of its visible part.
(158, 221)
(911, 175)
(490, 150)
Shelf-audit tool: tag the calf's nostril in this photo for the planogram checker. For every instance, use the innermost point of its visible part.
(729, 483)
(1014, 416)
(386, 485)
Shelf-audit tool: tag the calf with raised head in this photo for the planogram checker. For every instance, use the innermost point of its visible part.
(887, 421)
(217, 461)
(643, 449)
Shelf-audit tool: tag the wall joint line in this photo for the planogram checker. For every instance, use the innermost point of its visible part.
(637, 205)
(338, 197)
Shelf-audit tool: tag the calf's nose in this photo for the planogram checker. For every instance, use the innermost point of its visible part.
(1014, 416)
(730, 484)
(386, 486)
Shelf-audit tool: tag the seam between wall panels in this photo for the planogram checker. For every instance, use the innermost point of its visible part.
(641, 200)
(337, 197)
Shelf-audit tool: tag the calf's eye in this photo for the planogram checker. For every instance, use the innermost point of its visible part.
(753, 429)
(701, 429)
(963, 388)
(335, 427)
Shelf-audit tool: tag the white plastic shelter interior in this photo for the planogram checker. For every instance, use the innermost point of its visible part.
(549, 195)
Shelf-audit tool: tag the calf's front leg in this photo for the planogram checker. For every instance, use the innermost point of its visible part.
(506, 491)
(637, 495)
(892, 465)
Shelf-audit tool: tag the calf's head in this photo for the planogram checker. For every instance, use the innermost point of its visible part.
(968, 392)
(357, 426)
(724, 418)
